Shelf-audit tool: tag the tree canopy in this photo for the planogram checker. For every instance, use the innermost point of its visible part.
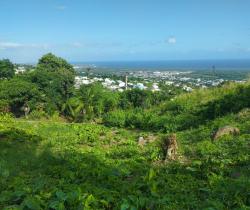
(6, 69)
(50, 62)
(18, 92)
(55, 76)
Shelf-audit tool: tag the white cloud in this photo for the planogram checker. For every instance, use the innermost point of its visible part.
(6, 45)
(95, 45)
(171, 40)
(15, 45)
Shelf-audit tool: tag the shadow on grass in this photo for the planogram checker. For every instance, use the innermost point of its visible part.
(35, 172)
(36, 175)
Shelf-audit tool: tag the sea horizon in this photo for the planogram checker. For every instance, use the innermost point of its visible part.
(161, 65)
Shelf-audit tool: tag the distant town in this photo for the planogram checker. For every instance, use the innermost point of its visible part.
(149, 80)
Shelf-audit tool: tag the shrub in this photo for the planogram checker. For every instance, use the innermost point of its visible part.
(135, 119)
(116, 118)
(6, 117)
(4, 106)
(38, 114)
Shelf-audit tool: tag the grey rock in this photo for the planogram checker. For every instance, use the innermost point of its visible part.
(226, 130)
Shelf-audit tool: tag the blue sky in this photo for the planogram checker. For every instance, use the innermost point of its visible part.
(109, 30)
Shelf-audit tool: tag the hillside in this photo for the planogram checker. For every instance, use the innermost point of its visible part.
(55, 165)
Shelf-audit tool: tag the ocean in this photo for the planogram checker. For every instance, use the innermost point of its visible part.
(175, 65)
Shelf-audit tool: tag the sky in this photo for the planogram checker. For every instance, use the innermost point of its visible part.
(124, 30)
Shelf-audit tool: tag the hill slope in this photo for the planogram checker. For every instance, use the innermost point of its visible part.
(52, 165)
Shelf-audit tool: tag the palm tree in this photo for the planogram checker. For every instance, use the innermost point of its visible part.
(74, 108)
(88, 71)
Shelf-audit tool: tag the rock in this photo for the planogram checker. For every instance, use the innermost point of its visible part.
(227, 130)
(170, 147)
(26, 109)
(141, 141)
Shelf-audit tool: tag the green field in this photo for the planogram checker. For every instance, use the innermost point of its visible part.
(54, 165)
(91, 148)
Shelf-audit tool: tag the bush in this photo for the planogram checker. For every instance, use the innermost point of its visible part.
(37, 115)
(135, 119)
(6, 117)
(4, 106)
(56, 117)
(18, 93)
(116, 118)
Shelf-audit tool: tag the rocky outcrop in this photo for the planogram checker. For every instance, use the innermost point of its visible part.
(227, 130)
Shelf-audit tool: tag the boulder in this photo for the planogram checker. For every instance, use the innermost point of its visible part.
(141, 141)
(227, 130)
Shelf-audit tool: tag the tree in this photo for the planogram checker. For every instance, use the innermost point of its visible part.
(74, 109)
(111, 101)
(6, 69)
(97, 100)
(50, 62)
(91, 95)
(88, 71)
(136, 98)
(19, 93)
(55, 78)
(62, 69)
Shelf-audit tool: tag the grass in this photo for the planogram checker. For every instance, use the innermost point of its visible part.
(48, 165)
(58, 165)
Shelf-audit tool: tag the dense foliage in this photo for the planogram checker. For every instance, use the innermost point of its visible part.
(64, 157)
(187, 111)
(17, 93)
(6, 69)
(53, 79)
(48, 165)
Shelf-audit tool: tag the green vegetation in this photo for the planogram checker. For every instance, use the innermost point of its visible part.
(6, 69)
(190, 110)
(52, 91)
(79, 149)
(83, 166)
(17, 93)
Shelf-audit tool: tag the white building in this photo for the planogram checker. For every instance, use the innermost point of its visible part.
(20, 70)
(155, 87)
(140, 86)
(121, 84)
(169, 82)
(186, 88)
